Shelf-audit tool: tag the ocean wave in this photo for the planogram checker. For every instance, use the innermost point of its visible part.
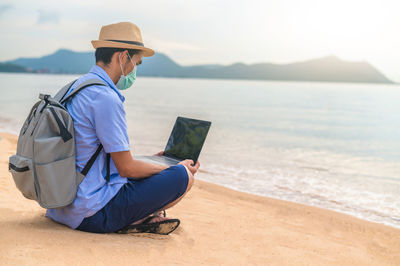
(313, 187)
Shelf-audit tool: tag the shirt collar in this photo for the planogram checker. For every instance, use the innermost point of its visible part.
(104, 76)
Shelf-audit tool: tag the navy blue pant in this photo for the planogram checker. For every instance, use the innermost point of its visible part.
(137, 199)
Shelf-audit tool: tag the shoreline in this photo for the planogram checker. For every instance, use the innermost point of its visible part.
(391, 83)
(314, 206)
(11, 133)
(337, 210)
(219, 226)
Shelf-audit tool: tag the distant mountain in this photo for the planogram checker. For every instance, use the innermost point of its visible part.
(62, 61)
(328, 68)
(5, 67)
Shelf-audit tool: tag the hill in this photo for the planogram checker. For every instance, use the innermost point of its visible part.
(6, 67)
(330, 68)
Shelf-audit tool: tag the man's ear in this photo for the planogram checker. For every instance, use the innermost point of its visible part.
(124, 57)
(116, 56)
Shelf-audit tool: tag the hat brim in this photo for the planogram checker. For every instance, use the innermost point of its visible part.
(103, 44)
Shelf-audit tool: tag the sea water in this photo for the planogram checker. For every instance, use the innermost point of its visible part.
(330, 145)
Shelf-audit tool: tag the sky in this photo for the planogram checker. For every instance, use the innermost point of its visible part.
(208, 32)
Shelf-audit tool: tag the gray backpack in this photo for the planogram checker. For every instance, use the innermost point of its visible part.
(44, 166)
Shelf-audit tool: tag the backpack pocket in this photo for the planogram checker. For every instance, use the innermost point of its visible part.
(22, 171)
(57, 183)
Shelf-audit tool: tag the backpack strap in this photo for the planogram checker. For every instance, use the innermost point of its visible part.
(90, 163)
(108, 167)
(85, 84)
(61, 93)
(62, 98)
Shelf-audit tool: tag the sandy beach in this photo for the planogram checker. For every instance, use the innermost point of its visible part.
(218, 226)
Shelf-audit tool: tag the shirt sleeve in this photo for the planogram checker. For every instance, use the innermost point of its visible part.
(110, 122)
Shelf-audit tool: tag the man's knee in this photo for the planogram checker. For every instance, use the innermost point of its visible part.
(191, 179)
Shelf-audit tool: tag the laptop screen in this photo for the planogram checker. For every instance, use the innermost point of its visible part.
(187, 138)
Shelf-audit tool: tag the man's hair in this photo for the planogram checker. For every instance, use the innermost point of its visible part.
(104, 54)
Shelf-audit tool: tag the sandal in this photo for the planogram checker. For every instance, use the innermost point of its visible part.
(163, 228)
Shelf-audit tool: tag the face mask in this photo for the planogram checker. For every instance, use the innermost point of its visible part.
(125, 82)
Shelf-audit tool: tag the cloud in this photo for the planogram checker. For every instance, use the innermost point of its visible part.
(48, 17)
(4, 8)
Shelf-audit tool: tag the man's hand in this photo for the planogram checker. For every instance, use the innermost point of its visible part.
(159, 153)
(189, 165)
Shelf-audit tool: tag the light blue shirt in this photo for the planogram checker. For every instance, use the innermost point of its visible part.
(99, 117)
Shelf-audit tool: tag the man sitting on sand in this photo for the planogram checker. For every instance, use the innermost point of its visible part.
(138, 192)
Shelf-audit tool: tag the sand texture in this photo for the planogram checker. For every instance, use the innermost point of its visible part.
(218, 226)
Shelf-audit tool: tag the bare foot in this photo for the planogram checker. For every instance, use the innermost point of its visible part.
(155, 219)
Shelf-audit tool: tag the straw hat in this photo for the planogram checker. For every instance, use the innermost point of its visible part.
(122, 35)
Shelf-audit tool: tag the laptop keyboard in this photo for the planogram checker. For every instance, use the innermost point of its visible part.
(164, 160)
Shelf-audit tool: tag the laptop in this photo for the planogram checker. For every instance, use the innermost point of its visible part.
(185, 142)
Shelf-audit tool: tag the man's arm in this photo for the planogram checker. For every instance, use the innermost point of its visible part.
(127, 166)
